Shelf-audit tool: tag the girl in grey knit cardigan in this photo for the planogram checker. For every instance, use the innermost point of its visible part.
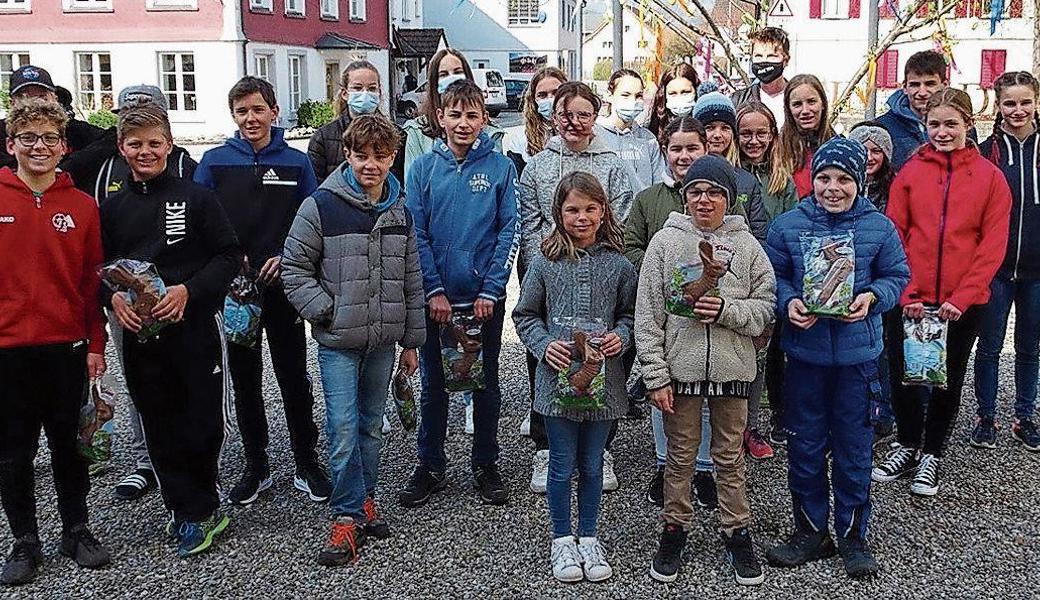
(575, 313)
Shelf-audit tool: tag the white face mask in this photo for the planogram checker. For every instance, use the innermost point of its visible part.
(628, 110)
(681, 104)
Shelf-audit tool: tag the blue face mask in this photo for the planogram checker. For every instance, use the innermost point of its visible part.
(447, 80)
(545, 107)
(363, 103)
(629, 110)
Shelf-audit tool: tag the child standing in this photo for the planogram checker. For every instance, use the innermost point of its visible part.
(352, 269)
(579, 275)
(639, 150)
(806, 127)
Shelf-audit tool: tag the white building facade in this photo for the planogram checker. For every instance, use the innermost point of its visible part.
(639, 43)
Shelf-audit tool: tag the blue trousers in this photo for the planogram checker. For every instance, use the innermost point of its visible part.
(992, 328)
(828, 408)
(575, 444)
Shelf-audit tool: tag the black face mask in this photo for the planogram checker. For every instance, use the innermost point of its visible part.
(767, 72)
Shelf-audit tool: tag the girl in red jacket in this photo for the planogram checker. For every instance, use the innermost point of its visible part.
(806, 127)
(951, 207)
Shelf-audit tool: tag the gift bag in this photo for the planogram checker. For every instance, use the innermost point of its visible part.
(96, 425)
(143, 287)
(693, 279)
(582, 386)
(462, 353)
(830, 272)
(404, 400)
(924, 350)
(242, 309)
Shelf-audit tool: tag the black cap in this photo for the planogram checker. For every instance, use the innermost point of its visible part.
(30, 75)
(716, 171)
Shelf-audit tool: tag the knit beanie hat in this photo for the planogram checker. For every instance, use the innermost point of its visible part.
(845, 154)
(875, 133)
(714, 170)
(714, 106)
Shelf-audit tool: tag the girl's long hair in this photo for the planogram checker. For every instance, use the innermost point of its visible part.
(559, 245)
(794, 145)
(431, 127)
(537, 129)
(344, 83)
(659, 115)
(777, 182)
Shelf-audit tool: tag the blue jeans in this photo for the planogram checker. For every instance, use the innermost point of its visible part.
(433, 404)
(575, 444)
(355, 385)
(992, 327)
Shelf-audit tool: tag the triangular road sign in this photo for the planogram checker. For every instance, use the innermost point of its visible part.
(781, 8)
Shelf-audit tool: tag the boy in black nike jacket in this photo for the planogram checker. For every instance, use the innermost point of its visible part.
(262, 182)
(177, 379)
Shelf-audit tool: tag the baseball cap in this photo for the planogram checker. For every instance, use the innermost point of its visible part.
(137, 95)
(30, 75)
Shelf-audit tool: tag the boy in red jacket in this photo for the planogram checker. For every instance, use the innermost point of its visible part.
(50, 322)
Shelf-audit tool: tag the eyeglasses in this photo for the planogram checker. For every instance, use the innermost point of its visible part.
(762, 136)
(714, 194)
(581, 117)
(28, 140)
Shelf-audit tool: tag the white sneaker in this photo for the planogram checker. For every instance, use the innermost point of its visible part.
(525, 426)
(386, 425)
(566, 564)
(469, 419)
(594, 560)
(540, 472)
(610, 482)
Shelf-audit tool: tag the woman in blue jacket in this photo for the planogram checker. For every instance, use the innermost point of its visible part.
(832, 372)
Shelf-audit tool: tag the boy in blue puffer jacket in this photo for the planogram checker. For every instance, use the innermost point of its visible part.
(832, 370)
(464, 200)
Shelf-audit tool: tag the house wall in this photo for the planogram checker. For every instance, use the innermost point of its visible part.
(127, 21)
(279, 28)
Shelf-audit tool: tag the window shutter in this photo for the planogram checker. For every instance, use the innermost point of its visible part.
(1015, 11)
(993, 64)
(888, 70)
(888, 9)
(925, 9)
(815, 9)
(854, 8)
(961, 10)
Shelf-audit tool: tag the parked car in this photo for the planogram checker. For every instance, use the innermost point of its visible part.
(515, 89)
(489, 80)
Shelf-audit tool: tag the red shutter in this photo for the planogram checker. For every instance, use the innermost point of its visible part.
(887, 77)
(815, 9)
(888, 9)
(993, 64)
(961, 10)
(854, 8)
(924, 10)
(1015, 11)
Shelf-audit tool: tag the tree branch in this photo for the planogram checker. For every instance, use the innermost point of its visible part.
(725, 46)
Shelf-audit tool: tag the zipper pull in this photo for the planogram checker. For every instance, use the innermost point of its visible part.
(37, 200)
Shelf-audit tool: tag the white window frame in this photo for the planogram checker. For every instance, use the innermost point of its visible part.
(178, 72)
(16, 63)
(268, 60)
(417, 9)
(329, 9)
(15, 6)
(834, 9)
(86, 5)
(262, 5)
(407, 6)
(296, 88)
(522, 12)
(97, 93)
(171, 4)
(358, 10)
(296, 8)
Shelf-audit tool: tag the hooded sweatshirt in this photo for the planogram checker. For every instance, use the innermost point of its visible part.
(466, 221)
(51, 249)
(952, 211)
(907, 131)
(638, 150)
(418, 143)
(696, 358)
(351, 268)
(543, 173)
(1019, 160)
(260, 191)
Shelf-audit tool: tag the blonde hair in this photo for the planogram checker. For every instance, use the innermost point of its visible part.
(36, 111)
(777, 182)
(142, 117)
(537, 128)
(344, 81)
(559, 245)
(958, 100)
(794, 145)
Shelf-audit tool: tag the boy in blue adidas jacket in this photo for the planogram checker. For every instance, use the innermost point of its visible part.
(463, 198)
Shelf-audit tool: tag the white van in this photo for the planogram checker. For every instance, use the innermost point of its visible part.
(489, 80)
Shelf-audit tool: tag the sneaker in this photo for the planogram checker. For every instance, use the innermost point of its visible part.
(707, 494)
(665, 567)
(525, 426)
(172, 527)
(254, 481)
(386, 426)
(540, 471)
(594, 560)
(375, 525)
(421, 485)
(489, 485)
(1024, 431)
(859, 562)
(610, 482)
(566, 563)
(778, 437)
(81, 546)
(804, 545)
(198, 537)
(23, 562)
(135, 485)
(312, 480)
(984, 435)
(883, 433)
(900, 462)
(757, 446)
(344, 544)
(469, 419)
(655, 492)
(746, 568)
(926, 481)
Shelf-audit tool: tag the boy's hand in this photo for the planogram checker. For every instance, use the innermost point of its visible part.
(558, 355)
(859, 308)
(662, 399)
(440, 309)
(612, 344)
(95, 365)
(171, 307)
(708, 308)
(271, 270)
(914, 311)
(124, 314)
(483, 309)
(408, 362)
(799, 314)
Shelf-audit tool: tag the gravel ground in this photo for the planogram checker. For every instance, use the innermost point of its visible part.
(976, 539)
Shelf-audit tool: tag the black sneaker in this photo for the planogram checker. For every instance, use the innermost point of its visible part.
(488, 483)
(665, 567)
(344, 544)
(655, 493)
(984, 435)
(900, 462)
(778, 436)
(312, 480)
(1025, 431)
(746, 568)
(23, 562)
(375, 525)
(804, 545)
(421, 485)
(859, 562)
(81, 546)
(883, 433)
(926, 481)
(255, 480)
(707, 494)
(135, 485)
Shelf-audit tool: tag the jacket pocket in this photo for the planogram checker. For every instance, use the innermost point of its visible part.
(460, 277)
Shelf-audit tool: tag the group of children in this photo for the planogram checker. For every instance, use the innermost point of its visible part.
(683, 254)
